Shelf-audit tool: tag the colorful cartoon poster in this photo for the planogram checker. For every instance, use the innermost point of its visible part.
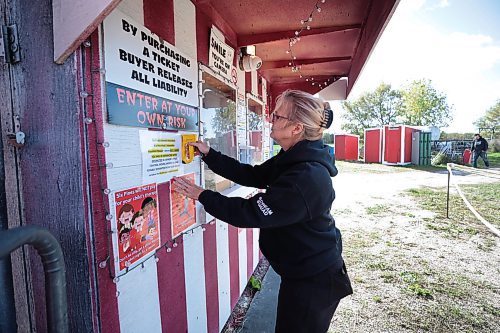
(182, 208)
(188, 150)
(137, 223)
(161, 156)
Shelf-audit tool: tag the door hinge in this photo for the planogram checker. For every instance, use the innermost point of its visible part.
(9, 44)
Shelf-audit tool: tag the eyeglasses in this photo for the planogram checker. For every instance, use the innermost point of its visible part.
(275, 117)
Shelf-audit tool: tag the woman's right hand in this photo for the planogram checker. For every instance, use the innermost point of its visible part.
(201, 146)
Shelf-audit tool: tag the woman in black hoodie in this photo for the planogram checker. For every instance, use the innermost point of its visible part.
(297, 232)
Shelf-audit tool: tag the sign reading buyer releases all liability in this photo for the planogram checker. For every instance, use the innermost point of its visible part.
(145, 67)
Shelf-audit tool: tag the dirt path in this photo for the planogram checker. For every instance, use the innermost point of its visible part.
(408, 277)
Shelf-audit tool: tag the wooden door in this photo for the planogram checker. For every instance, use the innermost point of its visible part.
(44, 179)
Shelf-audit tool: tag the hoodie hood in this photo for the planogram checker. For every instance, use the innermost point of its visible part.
(309, 151)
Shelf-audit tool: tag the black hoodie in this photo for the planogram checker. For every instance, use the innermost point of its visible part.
(298, 235)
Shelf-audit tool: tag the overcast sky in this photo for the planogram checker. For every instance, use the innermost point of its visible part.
(455, 43)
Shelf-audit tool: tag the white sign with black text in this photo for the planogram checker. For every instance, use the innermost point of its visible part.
(137, 58)
(220, 57)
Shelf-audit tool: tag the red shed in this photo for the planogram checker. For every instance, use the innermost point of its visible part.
(397, 144)
(346, 147)
(373, 145)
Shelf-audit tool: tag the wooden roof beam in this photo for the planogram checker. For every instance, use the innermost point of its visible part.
(253, 39)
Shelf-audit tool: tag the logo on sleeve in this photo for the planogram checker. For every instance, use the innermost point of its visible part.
(263, 207)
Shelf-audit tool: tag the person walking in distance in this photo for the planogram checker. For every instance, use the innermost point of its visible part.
(479, 148)
(298, 235)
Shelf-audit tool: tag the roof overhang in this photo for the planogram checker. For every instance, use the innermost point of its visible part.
(337, 45)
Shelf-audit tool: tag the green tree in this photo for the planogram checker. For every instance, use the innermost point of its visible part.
(456, 136)
(328, 138)
(490, 122)
(372, 109)
(254, 121)
(423, 105)
(225, 118)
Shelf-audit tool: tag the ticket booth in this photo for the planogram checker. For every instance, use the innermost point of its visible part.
(124, 86)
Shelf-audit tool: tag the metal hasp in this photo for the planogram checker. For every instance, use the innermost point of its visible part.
(50, 251)
(9, 44)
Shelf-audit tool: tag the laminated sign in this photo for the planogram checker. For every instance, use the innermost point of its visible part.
(149, 82)
(137, 224)
(187, 150)
(182, 209)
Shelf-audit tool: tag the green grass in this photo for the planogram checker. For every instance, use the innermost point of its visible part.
(377, 209)
(414, 284)
(494, 159)
(461, 221)
(358, 166)
(485, 198)
(436, 300)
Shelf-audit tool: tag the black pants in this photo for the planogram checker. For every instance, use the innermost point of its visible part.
(307, 305)
(483, 155)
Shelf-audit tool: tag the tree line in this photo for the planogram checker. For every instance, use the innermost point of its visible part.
(416, 104)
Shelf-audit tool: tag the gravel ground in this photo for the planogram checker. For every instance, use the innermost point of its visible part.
(406, 276)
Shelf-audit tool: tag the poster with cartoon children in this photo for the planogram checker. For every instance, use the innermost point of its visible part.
(137, 223)
(182, 208)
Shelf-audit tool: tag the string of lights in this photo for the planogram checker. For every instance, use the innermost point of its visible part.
(89, 120)
(305, 25)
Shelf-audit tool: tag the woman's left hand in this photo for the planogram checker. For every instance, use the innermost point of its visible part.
(186, 188)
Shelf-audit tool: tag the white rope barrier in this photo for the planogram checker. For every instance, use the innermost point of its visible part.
(491, 173)
(494, 230)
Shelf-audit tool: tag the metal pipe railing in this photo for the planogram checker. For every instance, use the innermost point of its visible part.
(52, 257)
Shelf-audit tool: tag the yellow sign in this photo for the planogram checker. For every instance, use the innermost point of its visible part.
(188, 150)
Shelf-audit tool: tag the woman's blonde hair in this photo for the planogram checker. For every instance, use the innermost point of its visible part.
(306, 109)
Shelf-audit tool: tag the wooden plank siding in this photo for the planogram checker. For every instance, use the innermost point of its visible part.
(44, 178)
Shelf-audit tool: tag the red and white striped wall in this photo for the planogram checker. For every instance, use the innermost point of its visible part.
(194, 287)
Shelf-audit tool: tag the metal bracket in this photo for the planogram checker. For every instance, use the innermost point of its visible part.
(9, 44)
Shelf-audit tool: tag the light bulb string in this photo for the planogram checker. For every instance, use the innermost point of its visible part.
(295, 39)
(89, 109)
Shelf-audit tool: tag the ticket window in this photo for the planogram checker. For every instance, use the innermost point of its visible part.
(218, 125)
(254, 124)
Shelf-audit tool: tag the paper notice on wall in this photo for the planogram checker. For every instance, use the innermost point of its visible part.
(182, 208)
(241, 121)
(266, 135)
(137, 224)
(161, 156)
